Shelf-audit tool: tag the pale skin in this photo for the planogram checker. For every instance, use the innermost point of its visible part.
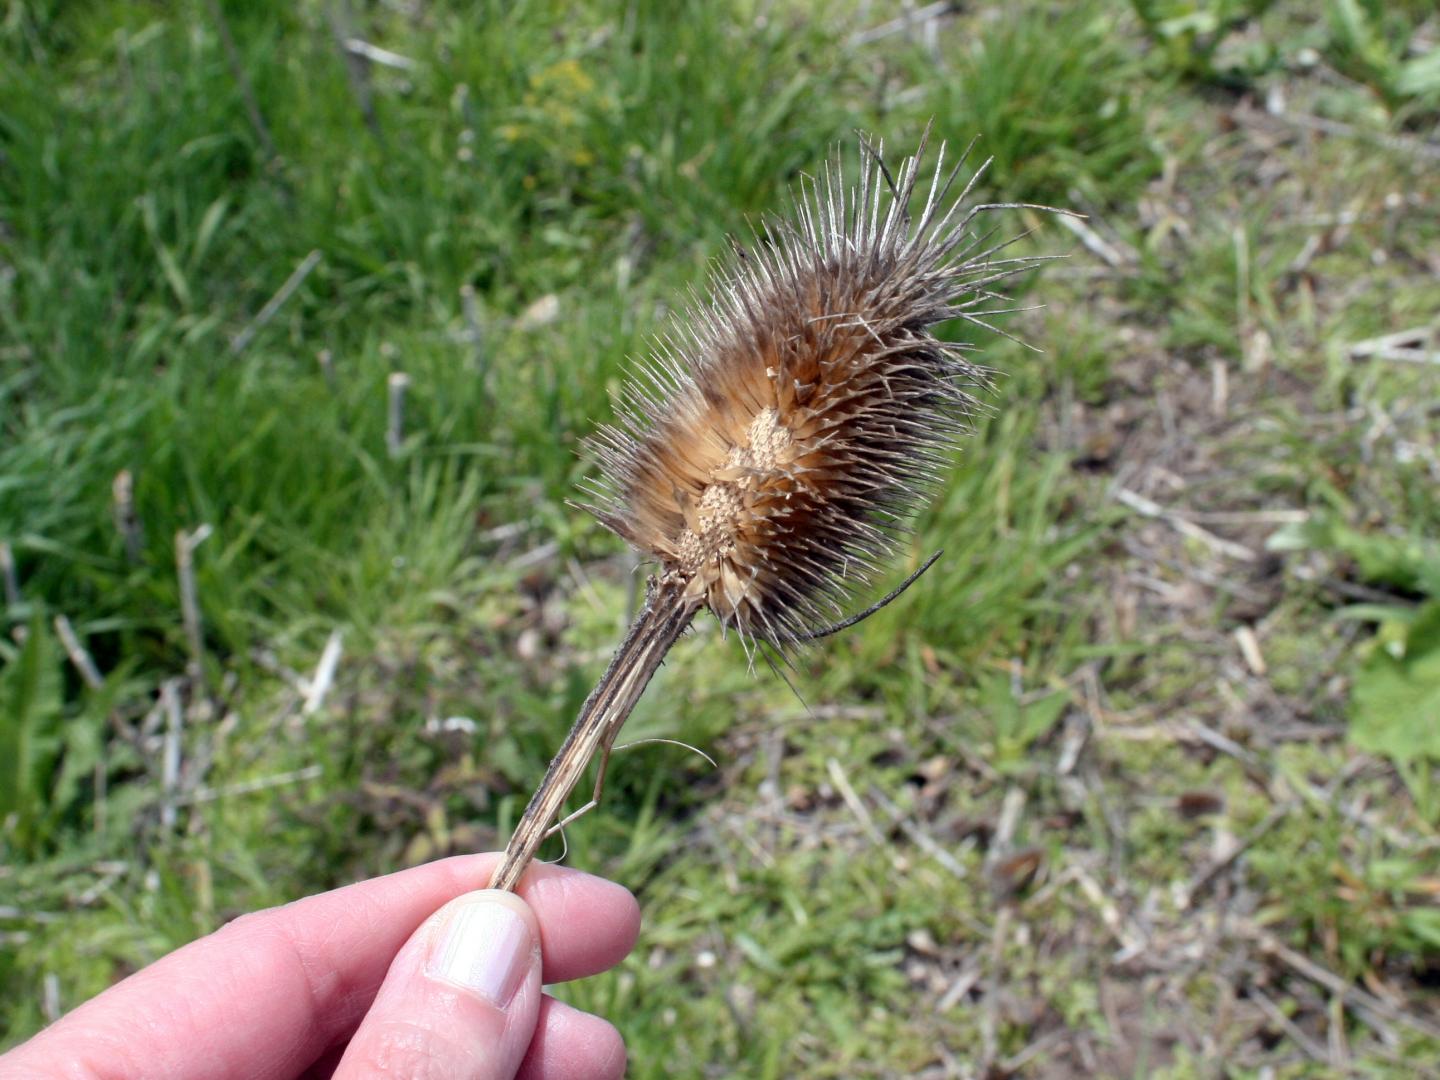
(365, 982)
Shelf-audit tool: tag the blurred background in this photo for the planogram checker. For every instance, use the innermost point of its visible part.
(306, 307)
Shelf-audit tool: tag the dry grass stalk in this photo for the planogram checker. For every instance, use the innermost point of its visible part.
(241, 341)
(357, 64)
(769, 454)
(8, 578)
(185, 545)
(127, 520)
(474, 331)
(324, 677)
(170, 754)
(396, 387)
(78, 654)
(326, 359)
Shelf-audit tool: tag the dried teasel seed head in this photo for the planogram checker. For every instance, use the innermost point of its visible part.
(773, 445)
(771, 450)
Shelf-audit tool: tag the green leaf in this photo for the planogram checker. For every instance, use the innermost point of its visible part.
(1424, 924)
(1038, 717)
(1420, 77)
(30, 704)
(1395, 706)
(1405, 562)
(1017, 724)
(214, 215)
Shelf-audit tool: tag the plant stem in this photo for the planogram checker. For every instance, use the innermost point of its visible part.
(659, 623)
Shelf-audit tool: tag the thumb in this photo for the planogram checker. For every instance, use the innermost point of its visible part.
(461, 997)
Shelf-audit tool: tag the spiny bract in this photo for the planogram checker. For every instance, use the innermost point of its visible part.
(781, 433)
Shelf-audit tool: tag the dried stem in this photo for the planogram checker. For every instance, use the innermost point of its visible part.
(474, 330)
(666, 614)
(319, 685)
(398, 384)
(185, 545)
(8, 576)
(127, 521)
(272, 307)
(242, 80)
(79, 656)
(357, 66)
(768, 452)
(170, 760)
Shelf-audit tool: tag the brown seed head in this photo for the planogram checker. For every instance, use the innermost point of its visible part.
(780, 435)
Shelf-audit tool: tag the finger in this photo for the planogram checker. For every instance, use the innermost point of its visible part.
(267, 994)
(587, 924)
(568, 1045)
(460, 1000)
(573, 1045)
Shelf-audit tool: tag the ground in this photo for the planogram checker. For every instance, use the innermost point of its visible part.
(1139, 779)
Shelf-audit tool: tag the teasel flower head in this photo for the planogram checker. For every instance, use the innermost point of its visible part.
(771, 450)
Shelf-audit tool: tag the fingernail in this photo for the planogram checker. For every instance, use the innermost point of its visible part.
(487, 948)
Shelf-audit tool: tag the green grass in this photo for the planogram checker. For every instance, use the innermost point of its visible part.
(593, 162)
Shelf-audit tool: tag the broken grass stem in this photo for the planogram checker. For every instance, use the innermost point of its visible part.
(666, 614)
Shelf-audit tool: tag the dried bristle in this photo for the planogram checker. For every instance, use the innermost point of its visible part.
(787, 427)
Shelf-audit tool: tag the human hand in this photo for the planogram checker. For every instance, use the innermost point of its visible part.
(366, 981)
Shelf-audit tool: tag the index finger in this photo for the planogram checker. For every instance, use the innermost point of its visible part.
(265, 995)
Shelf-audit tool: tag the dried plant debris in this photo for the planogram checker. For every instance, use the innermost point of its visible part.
(773, 447)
